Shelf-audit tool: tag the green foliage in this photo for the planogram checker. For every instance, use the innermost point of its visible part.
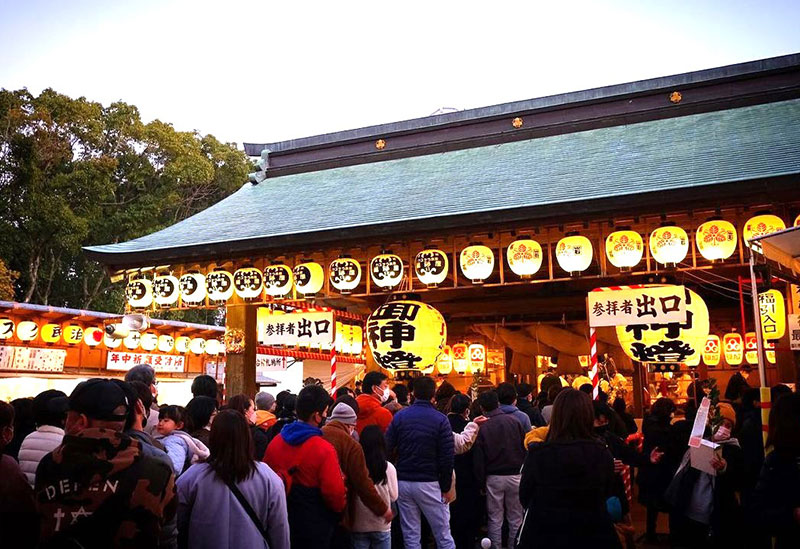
(74, 173)
(7, 280)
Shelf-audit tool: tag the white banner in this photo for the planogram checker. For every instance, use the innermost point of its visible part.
(307, 329)
(657, 305)
(161, 363)
(32, 360)
(794, 332)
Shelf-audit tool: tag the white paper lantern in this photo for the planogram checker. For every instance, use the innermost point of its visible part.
(27, 330)
(133, 340)
(93, 336)
(278, 280)
(431, 267)
(524, 257)
(477, 262)
(308, 278)
(6, 328)
(624, 249)
(248, 283)
(574, 253)
(761, 225)
(669, 245)
(148, 341)
(219, 286)
(386, 270)
(197, 345)
(166, 343)
(716, 239)
(193, 288)
(166, 289)
(111, 342)
(213, 347)
(139, 293)
(182, 344)
(345, 274)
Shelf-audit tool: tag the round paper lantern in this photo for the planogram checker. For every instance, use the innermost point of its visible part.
(166, 343)
(406, 335)
(716, 239)
(308, 278)
(165, 290)
(182, 344)
(624, 249)
(110, 342)
(197, 345)
(193, 288)
(524, 257)
(278, 280)
(733, 348)
(6, 328)
(93, 336)
(750, 348)
(345, 274)
(27, 330)
(51, 333)
(431, 266)
(673, 342)
(248, 282)
(386, 270)
(712, 350)
(460, 358)
(477, 262)
(772, 308)
(445, 363)
(139, 293)
(761, 225)
(148, 341)
(574, 253)
(133, 340)
(669, 245)
(213, 347)
(219, 286)
(73, 334)
(770, 351)
(477, 358)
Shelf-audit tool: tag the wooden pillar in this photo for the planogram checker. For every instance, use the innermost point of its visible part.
(240, 370)
(639, 383)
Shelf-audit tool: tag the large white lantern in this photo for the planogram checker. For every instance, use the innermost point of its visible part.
(669, 245)
(166, 343)
(278, 280)
(345, 274)
(477, 262)
(197, 345)
(213, 347)
(182, 344)
(219, 285)
(624, 249)
(308, 278)
(574, 253)
(139, 293)
(166, 289)
(431, 266)
(248, 282)
(761, 225)
(193, 288)
(149, 341)
(386, 270)
(524, 257)
(6, 328)
(716, 239)
(132, 340)
(406, 335)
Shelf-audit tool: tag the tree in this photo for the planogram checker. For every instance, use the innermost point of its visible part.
(7, 280)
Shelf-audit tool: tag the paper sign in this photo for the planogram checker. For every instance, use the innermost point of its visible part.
(794, 332)
(701, 456)
(160, 363)
(656, 305)
(306, 329)
(699, 427)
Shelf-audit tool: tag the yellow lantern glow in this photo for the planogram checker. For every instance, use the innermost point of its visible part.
(166, 343)
(477, 358)
(574, 253)
(477, 262)
(139, 293)
(773, 314)
(193, 288)
(197, 345)
(308, 278)
(27, 330)
(624, 249)
(524, 257)
(580, 381)
(51, 333)
(248, 282)
(93, 336)
(278, 280)
(166, 289)
(733, 348)
(797, 221)
(358, 339)
(73, 334)
(712, 350)
(761, 225)
(460, 358)
(584, 360)
(133, 340)
(406, 335)
(213, 347)
(219, 285)
(427, 371)
(345, 274)
(6, 328)
(148, 341)
(750, 348)
(386, 270)
(674, 342)
(770, 351)
(716, 239)
(431, 266)
(182, 344)
(110, 342)
(693, 361)
(445, 363)
(669, 245)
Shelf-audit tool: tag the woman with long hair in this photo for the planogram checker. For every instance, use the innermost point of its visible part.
(567, 480)
(231, 500)
(371, 531)
(245, 406)
(200, 412)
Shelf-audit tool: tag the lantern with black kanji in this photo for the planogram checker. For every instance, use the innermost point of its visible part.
(386, 270)
(345, 274)
(139, 293)
(406, 334)
(669, 245)
(733, 348)
(308, 278)
(624, 248)
(166, 289)
(166, 343)
(51, 333)
(27, 330)
(772, 309)
(761, 225)
(193, 288)
(132, 340)
(248, 282)
(574, 253)
(197, 345)
(278, 280)
(182, 344)
(716, 239)
(148, 341)
(6, 328)
(72, 334)
(219, 286)
(750, 348)
(477, 262)
(431, 266)
(524, 257)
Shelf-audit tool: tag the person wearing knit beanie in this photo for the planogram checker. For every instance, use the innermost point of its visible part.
(343, 414)
(726, 411)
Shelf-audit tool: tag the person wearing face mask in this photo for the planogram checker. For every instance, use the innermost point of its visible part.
(245, 405)
(309, 467)
(376, 391)
(338, 430)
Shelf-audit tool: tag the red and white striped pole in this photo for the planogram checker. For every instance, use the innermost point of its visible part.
(333, 371)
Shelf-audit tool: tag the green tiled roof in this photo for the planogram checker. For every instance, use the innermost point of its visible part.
(684, 152)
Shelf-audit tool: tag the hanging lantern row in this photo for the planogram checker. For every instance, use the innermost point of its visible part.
(462, 358)
(735, 349)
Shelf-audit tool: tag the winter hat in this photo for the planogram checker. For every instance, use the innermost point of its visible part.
(726, 411)
(343, 414)
(264, 400)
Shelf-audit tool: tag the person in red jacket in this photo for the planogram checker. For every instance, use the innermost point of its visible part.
(376, 391)
(310, 470)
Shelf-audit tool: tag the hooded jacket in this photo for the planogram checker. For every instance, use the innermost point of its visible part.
(265, 419)
(534, 414)
(371, 412)
(36, 445)
(521, 416)
(183, 450)
(499, 449)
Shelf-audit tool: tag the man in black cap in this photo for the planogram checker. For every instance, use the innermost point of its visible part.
(98, 489)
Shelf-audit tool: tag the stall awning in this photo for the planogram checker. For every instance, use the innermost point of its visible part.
(782, 248)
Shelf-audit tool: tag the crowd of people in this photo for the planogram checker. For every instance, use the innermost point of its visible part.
(408, 466)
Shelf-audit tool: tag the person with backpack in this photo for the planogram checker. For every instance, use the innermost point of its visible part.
(231, 500)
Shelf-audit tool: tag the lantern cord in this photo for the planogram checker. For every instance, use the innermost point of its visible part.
(706, 285)
(725, 288)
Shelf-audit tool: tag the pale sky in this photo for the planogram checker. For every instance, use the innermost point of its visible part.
(268, 71)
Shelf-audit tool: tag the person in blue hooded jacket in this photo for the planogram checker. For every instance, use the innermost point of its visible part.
(507, 395)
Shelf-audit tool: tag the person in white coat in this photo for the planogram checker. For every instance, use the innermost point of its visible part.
(49, 413)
